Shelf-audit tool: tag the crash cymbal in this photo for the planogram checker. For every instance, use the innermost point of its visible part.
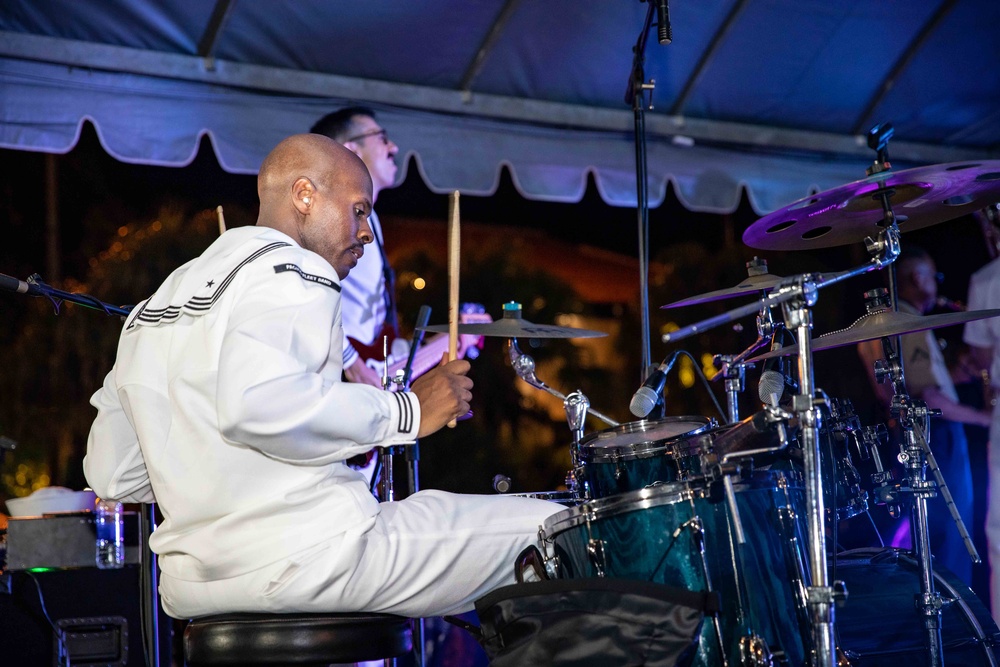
(881, 324)
(750, 285)
(920, 197)
(512, 325)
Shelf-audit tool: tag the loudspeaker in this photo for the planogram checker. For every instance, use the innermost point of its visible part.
(89, 615)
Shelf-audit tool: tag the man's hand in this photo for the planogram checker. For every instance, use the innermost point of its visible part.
(444, 393)
(360, 372)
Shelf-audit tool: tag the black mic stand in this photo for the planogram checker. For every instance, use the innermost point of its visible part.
(413, 455)
(35, 286)
(635, 96)
(413, 451)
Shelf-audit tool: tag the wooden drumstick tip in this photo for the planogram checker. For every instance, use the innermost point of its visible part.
(222, 220)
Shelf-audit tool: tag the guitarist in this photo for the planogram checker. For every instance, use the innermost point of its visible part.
(368, 293)
(368, 299)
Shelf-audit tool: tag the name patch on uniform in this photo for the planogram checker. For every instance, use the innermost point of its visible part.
(321, 280)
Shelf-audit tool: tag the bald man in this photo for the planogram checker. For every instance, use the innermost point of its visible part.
(226, 407)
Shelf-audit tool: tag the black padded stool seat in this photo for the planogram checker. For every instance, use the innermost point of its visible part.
(295, 639)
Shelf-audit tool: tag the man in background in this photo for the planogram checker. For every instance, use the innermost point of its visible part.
(928, 379)
(983, 338)
(368, 293)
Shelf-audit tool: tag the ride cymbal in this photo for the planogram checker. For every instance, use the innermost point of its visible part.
(879, 325)
(920, 197)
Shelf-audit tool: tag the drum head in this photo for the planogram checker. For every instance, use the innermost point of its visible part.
(641, 437)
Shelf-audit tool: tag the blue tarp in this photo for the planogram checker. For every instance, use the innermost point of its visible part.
(772, 96)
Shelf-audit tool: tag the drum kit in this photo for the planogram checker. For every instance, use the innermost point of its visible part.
(744, 508)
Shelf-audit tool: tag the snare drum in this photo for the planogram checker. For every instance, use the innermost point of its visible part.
(633, 456)
(650, 535)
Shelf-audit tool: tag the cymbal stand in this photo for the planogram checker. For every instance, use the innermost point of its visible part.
(796, 296)
(916, 456)
(577, 407)
(820, 595)
(914, 418)
(733, 368)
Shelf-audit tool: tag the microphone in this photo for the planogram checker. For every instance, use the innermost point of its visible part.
(663, 31)
(770, 386)
(19, 286)
(501, 483)
(772, 382)
(651, 391)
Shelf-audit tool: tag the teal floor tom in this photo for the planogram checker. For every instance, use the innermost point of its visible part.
(681, 534)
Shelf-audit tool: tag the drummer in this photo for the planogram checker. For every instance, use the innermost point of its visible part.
(226, 406)
(928, 379)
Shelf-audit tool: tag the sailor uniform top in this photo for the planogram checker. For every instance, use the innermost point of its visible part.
(226, 406)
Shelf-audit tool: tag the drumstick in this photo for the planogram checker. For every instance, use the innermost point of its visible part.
(222, 220)
(454, 245)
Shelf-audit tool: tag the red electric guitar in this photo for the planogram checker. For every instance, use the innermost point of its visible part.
(430, 351)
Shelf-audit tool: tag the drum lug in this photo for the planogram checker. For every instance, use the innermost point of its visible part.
(576, 482)
(754, 652)
(595, 549)
(839, 592)
(551, 563)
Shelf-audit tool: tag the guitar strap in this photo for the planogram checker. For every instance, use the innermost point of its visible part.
(389, 278)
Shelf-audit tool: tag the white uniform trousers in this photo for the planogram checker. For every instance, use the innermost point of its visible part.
(432, 554)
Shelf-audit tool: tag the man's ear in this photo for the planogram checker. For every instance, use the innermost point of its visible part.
(303, 195)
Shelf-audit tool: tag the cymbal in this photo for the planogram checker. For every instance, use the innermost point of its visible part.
(920, 197)
(515, 327)
(881, 324)
(750, 285)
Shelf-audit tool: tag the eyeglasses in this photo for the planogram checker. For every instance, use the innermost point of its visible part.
(372, 133)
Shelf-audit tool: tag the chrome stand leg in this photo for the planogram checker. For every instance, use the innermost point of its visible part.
(820, 594)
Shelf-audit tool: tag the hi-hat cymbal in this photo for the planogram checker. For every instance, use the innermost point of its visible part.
(881, 324)
(515, 327)
(920, 197)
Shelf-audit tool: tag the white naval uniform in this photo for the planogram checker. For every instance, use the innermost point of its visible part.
(226, 406)
(984, 293)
